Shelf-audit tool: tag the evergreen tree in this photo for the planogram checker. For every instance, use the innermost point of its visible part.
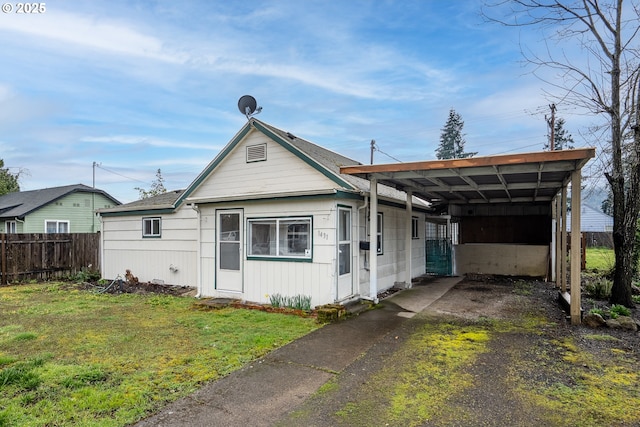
(8, 180)
(452, 139)
(561, 137)
(157, 187)
(607, 204)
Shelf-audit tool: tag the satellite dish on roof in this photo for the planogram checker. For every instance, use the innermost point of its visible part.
(248, 106)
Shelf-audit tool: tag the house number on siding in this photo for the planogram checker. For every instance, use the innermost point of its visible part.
(323, 235)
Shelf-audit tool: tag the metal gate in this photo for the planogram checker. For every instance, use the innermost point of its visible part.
(439, 257)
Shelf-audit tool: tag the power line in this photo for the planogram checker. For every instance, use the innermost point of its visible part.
(119, 174)
(374, 147)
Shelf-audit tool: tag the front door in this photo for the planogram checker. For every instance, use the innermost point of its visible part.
(229, 250)
(345, 282)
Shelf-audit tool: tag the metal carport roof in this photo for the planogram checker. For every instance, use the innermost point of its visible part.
(511, 178)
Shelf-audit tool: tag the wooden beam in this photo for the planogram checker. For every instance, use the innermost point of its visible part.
(502, 181)
(539, 180)
(509, 169)
(508, 159)
(576, 252)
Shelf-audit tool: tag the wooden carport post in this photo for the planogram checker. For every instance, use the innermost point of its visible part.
(576, 252)
(408, 239)
(373, 240)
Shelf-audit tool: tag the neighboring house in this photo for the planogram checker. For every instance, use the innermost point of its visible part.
(66, 209)
(271, 214)
(593, 220)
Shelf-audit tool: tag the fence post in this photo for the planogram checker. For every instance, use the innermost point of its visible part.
(3, 259)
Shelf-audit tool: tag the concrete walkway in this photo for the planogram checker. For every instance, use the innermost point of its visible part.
(261, 393)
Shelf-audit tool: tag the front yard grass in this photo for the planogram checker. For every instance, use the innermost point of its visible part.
(70, 357)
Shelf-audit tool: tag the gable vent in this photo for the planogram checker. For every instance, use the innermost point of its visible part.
(256, 153)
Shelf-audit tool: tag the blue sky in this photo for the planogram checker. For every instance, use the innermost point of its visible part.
(140, 85)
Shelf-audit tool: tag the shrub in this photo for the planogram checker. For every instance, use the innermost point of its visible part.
(596, 310)
(86, 274)
(599, 288)
(619, 310)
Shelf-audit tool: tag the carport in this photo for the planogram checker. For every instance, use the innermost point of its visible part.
(505, 204)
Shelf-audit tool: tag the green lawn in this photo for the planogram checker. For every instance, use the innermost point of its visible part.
(70, 357)
(600, 259)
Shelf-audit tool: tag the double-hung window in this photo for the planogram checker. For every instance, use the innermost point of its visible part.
(279, 238)
(10, 227)
(56, 226)
(151, 227)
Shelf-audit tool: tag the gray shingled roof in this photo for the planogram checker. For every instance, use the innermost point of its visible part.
(333, 161)
(327, 159)
(21, 203)
(165, 200)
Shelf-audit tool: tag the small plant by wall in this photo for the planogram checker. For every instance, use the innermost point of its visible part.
(297, 302)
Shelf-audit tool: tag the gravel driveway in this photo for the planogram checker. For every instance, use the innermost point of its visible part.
(490, 352)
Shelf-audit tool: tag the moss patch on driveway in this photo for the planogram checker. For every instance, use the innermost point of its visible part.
(516, 363)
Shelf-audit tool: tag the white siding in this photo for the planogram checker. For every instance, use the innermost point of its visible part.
(281, 172)
(418, 258)
(262, 278)
(391, 264)
(151, 258)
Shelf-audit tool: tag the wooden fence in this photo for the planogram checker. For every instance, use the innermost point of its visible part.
(46, 256)
(599, 239)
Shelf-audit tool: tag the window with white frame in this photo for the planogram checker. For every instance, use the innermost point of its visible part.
(414, 227)
(279, 237)
(56, 226)
(11, 227)
(151, 227)
(379, 234)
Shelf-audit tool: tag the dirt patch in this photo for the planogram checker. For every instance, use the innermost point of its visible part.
(124, 287)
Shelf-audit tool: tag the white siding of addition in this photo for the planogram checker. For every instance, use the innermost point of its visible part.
(263, 278)
(281, 172)
(419, 257)
(391, 264)
(170, 258)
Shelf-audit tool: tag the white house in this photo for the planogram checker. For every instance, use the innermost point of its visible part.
(271, 214)
(594, 220)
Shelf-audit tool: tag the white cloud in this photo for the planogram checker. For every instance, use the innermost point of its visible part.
(147, 140)
(90, 32)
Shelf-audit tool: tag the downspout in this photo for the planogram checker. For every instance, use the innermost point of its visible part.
(198, 250)
(364, 206)
(101, 245)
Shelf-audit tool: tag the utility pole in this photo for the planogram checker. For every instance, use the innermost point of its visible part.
(93, 199)
(373, 148)
(552, 124)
